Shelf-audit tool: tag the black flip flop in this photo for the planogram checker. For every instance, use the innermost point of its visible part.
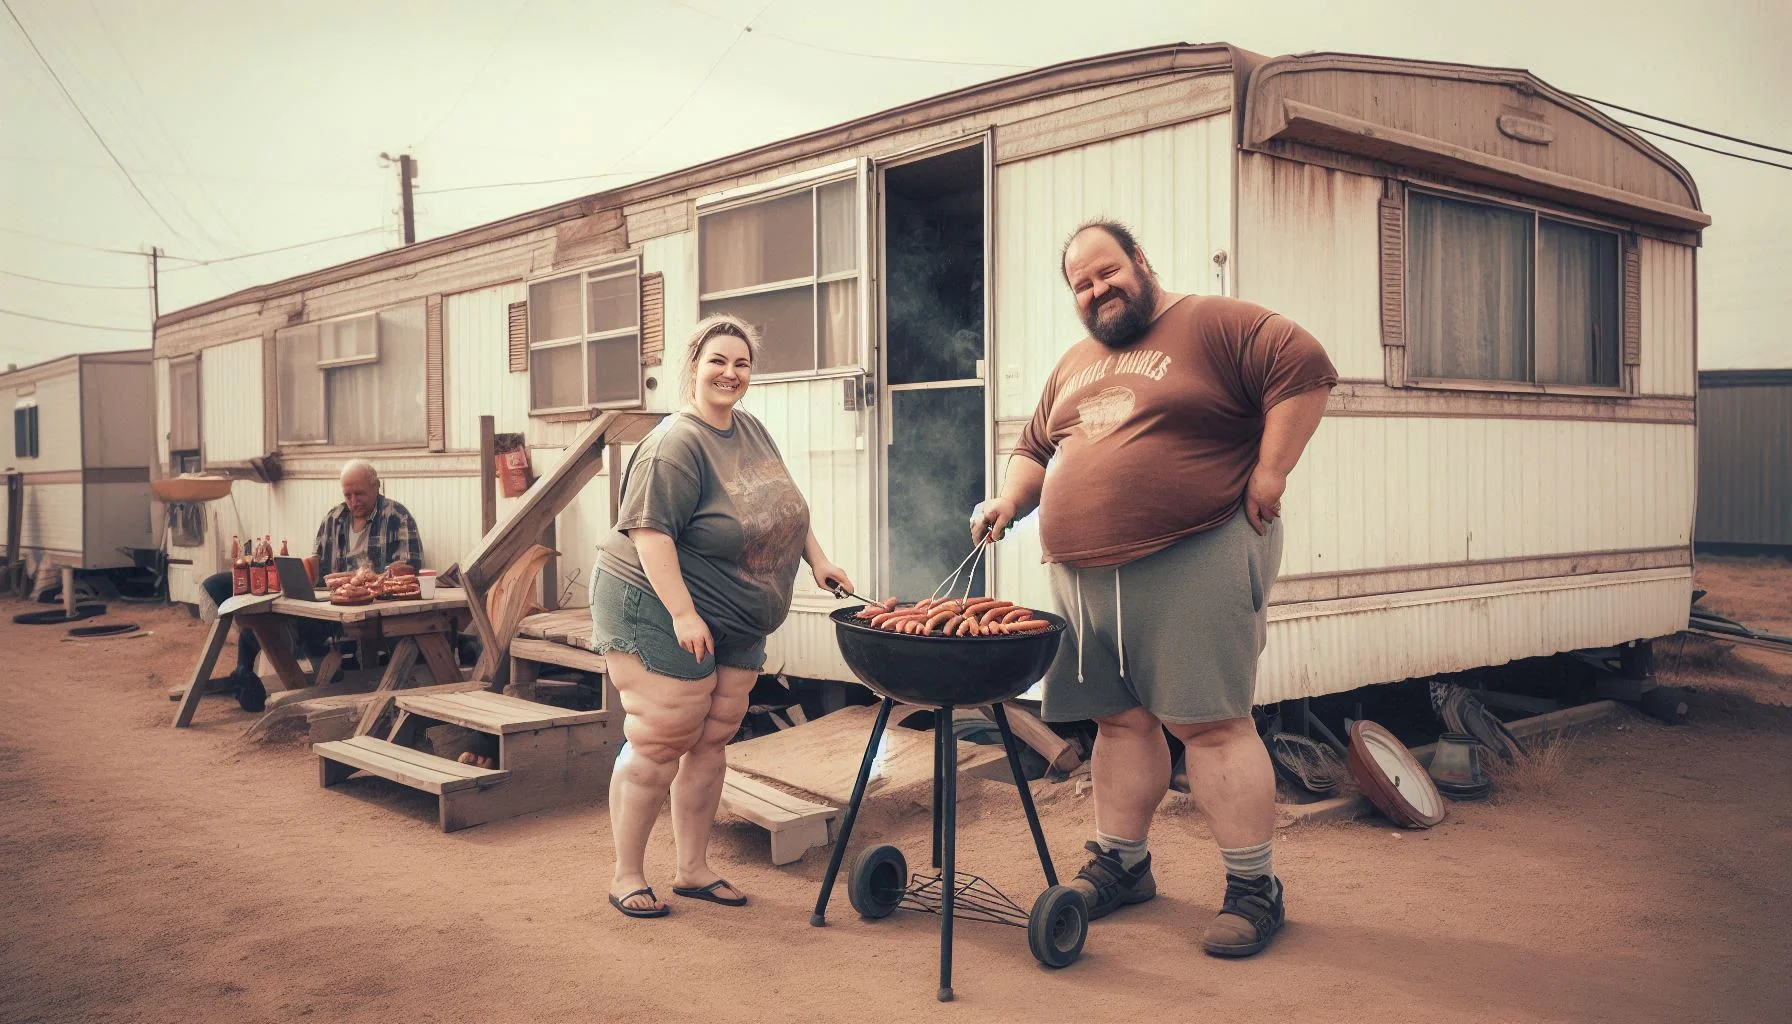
(621, 903)
(707, 893)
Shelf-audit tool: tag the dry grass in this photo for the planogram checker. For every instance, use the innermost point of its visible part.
(1533, 775)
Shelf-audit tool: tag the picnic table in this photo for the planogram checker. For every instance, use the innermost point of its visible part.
(416, 628)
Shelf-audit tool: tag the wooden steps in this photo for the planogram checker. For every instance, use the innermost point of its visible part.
(795, 824)
(547, 756)
(494, 713)
(437, 775)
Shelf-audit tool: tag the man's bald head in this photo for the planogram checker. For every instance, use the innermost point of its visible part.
(360, 487)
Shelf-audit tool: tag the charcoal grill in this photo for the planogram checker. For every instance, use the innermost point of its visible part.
(944, 673)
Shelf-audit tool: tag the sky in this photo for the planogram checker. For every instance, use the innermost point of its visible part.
(244, 126)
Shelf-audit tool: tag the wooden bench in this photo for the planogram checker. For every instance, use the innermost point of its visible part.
(795, 824)
(563, 639)
(547, 756)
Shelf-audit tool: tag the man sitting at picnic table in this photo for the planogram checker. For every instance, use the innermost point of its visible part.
(367, 530)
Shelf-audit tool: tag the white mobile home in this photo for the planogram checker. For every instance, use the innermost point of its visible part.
(78, 430)
(1503, 276)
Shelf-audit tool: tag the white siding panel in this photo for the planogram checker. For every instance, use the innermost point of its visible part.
(1309, 248)
(1312, 652)
(1375, 492)
(58, 427)
(675, 258)
(164, 411)
(52, 518)
(231, 403)
(1668, 328)
(9, 398)
(1172, 185)
(476, 359)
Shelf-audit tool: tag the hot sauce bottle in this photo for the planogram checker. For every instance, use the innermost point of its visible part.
(239, 569)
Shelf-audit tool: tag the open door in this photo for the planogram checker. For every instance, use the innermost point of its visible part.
(933, 250)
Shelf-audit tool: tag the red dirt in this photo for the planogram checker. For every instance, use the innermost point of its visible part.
(161, 875)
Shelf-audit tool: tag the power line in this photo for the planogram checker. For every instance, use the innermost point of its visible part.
(1681, 124)
(71, 323)
(503, 38)
(707, 75)
(76, 245)
(846, 53)
(84, 119)
(76, 284)
(519, 184)
(1708, 149)
(284, 248)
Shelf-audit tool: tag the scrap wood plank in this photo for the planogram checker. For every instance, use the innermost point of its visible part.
(795, 824)
(1058, 752)
(823, 756)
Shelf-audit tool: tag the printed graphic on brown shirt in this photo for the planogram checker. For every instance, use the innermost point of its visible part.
(1105, 410)
(774, 520)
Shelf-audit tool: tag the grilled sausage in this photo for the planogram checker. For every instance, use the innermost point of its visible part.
(1028, 626)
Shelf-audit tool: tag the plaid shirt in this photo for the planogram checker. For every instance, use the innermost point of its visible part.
(391, 537)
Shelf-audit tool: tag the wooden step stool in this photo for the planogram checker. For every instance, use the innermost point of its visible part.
(795, 824)
(547, 756)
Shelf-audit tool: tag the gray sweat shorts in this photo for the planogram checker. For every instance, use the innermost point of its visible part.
(1190, 621)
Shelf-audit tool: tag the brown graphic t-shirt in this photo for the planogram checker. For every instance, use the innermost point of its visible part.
(1151, 443)
(726, 499)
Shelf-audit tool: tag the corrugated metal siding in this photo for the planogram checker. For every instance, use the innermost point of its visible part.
(1309, 248)
(476, 343)
(52, 519)
(1381, 491)
(1319, 654)
(231, 405)
(1745, 465)
(1173, 185)
(1668, 315)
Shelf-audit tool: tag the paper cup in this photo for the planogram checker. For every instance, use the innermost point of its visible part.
(426, 585)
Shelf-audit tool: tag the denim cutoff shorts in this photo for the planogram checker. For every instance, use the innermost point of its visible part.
(631, 620)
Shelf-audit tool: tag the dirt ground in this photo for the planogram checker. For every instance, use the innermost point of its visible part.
(152, 874)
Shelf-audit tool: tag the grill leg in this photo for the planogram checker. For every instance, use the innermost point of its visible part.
(819, 917)
(949, 842)
(939, 784)
(1026, 793)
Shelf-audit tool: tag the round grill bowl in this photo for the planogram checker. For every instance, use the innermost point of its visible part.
(934, 671)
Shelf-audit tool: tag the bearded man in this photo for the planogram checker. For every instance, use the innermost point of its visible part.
(1169, 434)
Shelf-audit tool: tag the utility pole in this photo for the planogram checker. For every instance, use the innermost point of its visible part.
(155, 295)
(407, 177)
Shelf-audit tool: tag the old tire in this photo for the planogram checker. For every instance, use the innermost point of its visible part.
(879, 878)
(1057, 927)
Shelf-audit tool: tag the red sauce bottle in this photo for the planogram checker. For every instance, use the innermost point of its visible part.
(239, 569)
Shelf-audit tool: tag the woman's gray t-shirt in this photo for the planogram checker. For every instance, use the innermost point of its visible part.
(726, 500)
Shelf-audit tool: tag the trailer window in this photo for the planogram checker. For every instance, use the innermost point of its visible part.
(1498, 293)
(24, 431)
(789, 265)
(585, 340)
(354, 381)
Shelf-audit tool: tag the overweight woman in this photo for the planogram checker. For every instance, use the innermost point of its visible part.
(697, 573)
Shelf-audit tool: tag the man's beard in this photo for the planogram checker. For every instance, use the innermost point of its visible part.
(1134, 319)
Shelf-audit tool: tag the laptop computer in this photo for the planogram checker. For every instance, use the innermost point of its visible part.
(295, 582)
